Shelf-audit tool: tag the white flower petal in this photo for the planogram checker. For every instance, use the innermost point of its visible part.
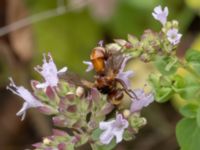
(105, 125)
(166, 11)
(158, 9)
(173, 36)
(89, 64)
(113, 128)
(160, 15)
(64, 69)
(119, 135)
(42, 85)
(125, 76)
(22, 111)
(106, 137)
(143, 100)
(30, 100)
(49, 72)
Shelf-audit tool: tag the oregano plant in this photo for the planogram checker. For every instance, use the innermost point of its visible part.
(93, 112)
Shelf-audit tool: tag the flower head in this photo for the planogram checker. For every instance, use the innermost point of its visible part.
(173, 36)
(143, 100)
(89, 64)
(125, 75)
(160, 15)
(113, 128)
(49, 72)
(30, 100)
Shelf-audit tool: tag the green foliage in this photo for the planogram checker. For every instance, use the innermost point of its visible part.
(96, 134)
(188, 134)
(188, 87)
(189, 110)
(98, 146)
(167, 65)
(193, 58)
(162, 87)
(128, 135)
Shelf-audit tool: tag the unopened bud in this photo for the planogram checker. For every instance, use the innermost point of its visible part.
(175, 23)
(168, 25)
(126, 113)
(113, 47)
(46, 141)
(79, 91)
(121, 42)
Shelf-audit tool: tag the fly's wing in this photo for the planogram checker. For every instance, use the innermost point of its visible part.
(76, 80)
(114, 62)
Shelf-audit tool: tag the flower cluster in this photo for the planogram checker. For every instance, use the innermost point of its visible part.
(92, 109)
(70, 105)
(151, 43)
(172, 33)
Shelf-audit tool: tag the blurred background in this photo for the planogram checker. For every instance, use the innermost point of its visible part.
(69, 29)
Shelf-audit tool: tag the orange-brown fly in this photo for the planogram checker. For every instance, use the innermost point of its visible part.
(108, 66)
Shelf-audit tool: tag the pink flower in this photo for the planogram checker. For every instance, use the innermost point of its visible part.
(89, 64)
(113, 128)
(30, 100)
(49, 72)
(143, 100)
(173, 36)
(160, 15)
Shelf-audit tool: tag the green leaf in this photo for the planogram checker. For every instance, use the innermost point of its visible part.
(166, 65)
(83, 140)
(190, 89)
(128, 135)
(193, 57)
(162, 87)
(189, 110)
(110, 146)
(96, 134)
(188, 134)
(178, 83)
(163, 94)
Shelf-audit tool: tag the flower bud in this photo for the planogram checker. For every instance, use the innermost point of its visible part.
(121, 42)
(80, 91)
(58, 132)
(50, 93)
(126, 113)
(113, 47)
(46, 141)
(48, 110)
(175, 23)
(60, 121)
